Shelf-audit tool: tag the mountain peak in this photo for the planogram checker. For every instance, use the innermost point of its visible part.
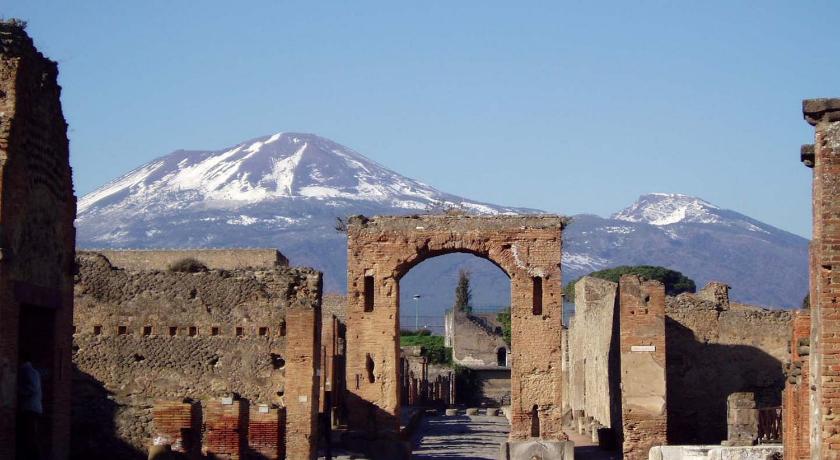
(281, 166)
(669, 208)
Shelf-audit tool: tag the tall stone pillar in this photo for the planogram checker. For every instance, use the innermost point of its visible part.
(37, 209)
(824, 115)
(302, 364)
(642, 344)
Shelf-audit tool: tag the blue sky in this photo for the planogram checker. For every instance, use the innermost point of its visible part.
(564, 106)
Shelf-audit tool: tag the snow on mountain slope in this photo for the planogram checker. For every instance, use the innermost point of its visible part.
(669, 208)
(283, 165)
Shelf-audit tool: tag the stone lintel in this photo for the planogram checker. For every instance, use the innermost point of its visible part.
(816, 110)
(467, 222)
(806, 155)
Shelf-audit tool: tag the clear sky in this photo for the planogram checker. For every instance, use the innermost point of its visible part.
(563, 106)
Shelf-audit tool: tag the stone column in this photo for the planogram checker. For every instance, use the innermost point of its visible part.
(642, 345)
(824, 115)
(303, 355)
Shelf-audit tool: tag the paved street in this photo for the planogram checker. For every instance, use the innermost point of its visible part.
(460, 436)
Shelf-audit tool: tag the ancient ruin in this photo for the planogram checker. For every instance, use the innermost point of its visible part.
(527, 248)
(818, 356)
(734, 349)
(194, 358)
(478, 344)
(37, 208)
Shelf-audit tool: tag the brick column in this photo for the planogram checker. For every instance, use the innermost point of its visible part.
(824, 115)
(795, 399)
(224, 424)
(266, 432)
(642, 335)
(177, 423)
(301, 394)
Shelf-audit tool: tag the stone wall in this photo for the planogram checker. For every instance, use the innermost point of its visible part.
(716, 348)
(37, 208)
(644, 414)
(383, 249)
(593, 351)
(227, 259)
(151, 335)
(476, 340)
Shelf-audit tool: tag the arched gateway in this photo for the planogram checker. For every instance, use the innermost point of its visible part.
(383, 249)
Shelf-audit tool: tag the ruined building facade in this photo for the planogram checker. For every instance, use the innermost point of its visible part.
(653, 370)
(37, 209)
(197, 359)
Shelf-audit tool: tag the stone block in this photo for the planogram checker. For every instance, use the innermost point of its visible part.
(472, 411)
(451, 412)
(537, 449)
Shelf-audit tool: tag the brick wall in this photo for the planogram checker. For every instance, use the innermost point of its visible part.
(642, 346)
(37, 208)
(383, 249)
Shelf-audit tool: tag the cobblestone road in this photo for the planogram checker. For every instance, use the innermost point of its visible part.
(460, 436)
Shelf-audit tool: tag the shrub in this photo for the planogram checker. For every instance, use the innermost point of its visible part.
(187, 265)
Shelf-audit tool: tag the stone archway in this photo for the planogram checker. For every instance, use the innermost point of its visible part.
(383, 249)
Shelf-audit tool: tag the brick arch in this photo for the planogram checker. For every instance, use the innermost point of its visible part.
(382, 250)
(425, 254)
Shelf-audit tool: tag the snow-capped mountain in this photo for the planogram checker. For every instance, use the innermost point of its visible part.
(763, 264)
(280, 166)
(286, 190)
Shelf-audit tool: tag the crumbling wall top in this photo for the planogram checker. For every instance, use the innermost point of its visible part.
(459, 222)
(222, 259)
(816, 110)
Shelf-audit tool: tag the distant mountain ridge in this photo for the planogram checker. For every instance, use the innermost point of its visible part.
(285, 190)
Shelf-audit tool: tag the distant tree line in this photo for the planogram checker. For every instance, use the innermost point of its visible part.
(674, 281)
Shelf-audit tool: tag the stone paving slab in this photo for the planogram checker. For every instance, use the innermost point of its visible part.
(474, 437)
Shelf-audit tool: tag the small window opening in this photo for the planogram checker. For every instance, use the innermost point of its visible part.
(74, 328)
(97, 330)
(535, 422)
(147, 330)
(173, 330)
(368, 293)
(240, 331)
(283, 329)
(214, 330)
(501, 357)
(369, 366)
(537, 306)
(263, 331)
(192, 331)
(122, 330)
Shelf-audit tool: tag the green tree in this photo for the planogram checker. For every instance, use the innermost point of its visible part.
(674, 281)
(504, 318)
(463, 293)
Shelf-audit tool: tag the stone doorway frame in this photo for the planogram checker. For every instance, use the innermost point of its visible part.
(381, 250)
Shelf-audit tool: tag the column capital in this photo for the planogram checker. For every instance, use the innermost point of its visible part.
(806, 155)
(816, 110)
